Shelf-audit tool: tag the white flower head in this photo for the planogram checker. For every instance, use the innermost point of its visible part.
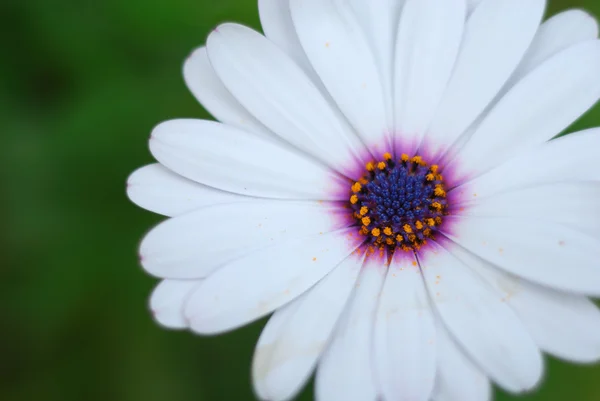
(382, 178)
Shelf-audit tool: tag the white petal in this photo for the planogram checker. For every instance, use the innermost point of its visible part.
(457, 376)
(379, 21)
(544, 252)
(167, 302)
(297, 334)
(206, 86)
(540, 106)
(558, 33)
(486, 328)
(569, 158)
(496, 37)
(277, 92)
(268, 386)
(276, 21)
(160, 190)
(346, 370)
(195, 244)
(570, 203)
(405, 334)
(565, 325)
(256, 284)
(472, 4)
(223, 157)
(428, 43)
(340, 54)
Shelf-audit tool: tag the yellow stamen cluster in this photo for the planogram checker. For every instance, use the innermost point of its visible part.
(430, 203)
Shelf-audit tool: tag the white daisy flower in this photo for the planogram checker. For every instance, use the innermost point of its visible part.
(382, 178)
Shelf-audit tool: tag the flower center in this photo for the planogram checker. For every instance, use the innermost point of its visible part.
(399, 204)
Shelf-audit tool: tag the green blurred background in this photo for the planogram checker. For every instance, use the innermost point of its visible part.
(82, 83)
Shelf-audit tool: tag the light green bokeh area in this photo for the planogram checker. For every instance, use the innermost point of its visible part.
(82, 83)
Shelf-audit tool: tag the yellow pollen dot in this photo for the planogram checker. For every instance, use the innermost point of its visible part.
(366, 221)
(434, 168)
(381, 165)
(389, 241)
(430, 177)
(436, 205)
(407, 229)
(417, 159)
(430, 222)
(356, 187)
(364, 210)
(399, 238)
(387, 231)
(412, 237)
(404, 157)
(427, 232)
(387, 156)
(438, 220)
(364, 230)
(363, 181)
(376, 232)
(354, 199)
(419, 225)
(370, 166)
(439, 191)
(439, 177)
